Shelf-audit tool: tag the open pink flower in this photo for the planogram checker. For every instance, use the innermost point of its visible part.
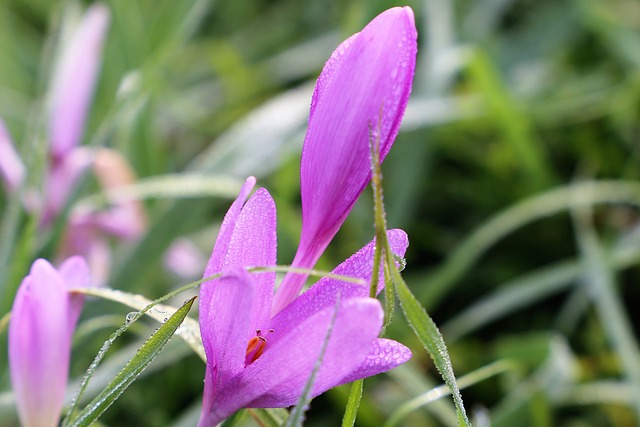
(364, 88)
(257, 360)
(43, 318)
(261, 347)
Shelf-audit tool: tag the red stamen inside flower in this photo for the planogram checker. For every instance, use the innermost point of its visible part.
(256, 347)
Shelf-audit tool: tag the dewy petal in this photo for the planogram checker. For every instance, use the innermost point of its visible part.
(254, 243)
(225, 331)
(383, 356)
(363, 91)
(278, 377)
(40, 346)
(360, 264)
(216, 261)
(74, 81)
(12, 169)
(327, 291)
(250, 241)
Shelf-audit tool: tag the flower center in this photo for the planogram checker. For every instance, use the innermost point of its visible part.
(256, 346)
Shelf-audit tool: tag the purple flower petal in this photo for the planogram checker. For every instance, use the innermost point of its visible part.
(75, 274)
(62, 179)
(327, 291)
(226, 329)
(360, 264)
(364, 88)
(74, 81)
(254, 243)
(383, 356)
(216, 261)
(278, 377)
(184, 259)
(124, 219)
(40, 346)
(12, 169)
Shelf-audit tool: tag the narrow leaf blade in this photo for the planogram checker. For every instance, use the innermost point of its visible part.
(131, 370)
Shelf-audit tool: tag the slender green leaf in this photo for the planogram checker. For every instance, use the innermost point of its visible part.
(439, 392)
(172, 186)
(355, 396)
(131, 370)
(269, 417)
(234, 419)
(506, 222)
(430, 337)
(512, 122)
(611, 309)
(189, 331)
(421, 323)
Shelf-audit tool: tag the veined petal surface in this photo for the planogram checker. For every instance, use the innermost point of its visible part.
(278, 377)
(225, 331)
(360, 96)
(328, 290)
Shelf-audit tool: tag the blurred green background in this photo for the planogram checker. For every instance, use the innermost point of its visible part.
(515, 176)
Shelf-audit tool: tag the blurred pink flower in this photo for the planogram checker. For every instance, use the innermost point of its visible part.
(89, 229)
(72, 89)
(43, 318)
(11, 168)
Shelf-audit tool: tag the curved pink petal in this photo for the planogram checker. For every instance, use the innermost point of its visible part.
(75, 274)
(225, 330)
(40, 346)
(364, 88)
(74, 81)
(219, 253)
(328, 291)
(254, 243)
(124, 219)
(12, 169)
(278, 377)
(360, 264)
(383, 356)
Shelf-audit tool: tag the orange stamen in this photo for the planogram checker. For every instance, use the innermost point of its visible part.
(256, 346)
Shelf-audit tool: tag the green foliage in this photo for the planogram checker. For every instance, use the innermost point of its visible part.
(131, 370)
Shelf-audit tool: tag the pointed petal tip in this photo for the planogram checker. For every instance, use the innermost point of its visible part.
(384, 355)
(372, 70)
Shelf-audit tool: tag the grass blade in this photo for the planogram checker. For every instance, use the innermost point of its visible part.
(355, 396)
(131, 370)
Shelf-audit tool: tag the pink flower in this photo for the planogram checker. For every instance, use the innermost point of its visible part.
(43, 318)
(261, 347)
(257, 360)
